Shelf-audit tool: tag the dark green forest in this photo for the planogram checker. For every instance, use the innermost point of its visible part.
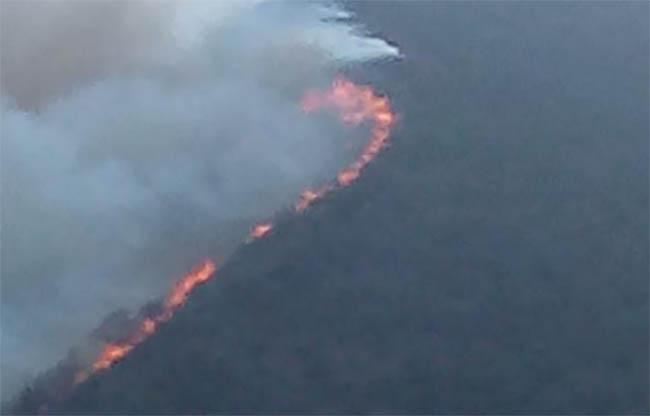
(494, 260)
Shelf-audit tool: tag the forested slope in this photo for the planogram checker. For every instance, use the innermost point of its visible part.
(494, 260)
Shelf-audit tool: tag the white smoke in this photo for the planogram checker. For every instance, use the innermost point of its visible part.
(140, 137)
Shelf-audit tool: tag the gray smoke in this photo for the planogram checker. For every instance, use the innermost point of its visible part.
(141, 137)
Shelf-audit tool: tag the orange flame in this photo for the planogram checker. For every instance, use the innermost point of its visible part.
(354, 104)
(309, 196)
(260, 230)
(177, 297)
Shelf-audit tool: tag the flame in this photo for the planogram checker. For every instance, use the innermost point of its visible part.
(111, 354)
(354, 104)
(184, 287)
(309, 196)
(261, 230)
(114, 352)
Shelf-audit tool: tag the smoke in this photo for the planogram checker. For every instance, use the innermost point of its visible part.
(140, 137)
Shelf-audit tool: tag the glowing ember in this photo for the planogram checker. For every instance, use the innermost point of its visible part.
(80, 377)
(177, 297)
(309, 196)
(260, 230)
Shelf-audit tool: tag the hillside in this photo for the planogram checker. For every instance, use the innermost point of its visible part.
(494, 260)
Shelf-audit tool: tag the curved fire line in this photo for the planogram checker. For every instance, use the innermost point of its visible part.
(354, 104)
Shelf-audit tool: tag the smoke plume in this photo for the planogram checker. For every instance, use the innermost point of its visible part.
(139, 138)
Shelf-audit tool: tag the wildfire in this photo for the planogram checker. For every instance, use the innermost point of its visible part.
(261, 230)
(177, 297)
(309, 196)
(354, 104)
